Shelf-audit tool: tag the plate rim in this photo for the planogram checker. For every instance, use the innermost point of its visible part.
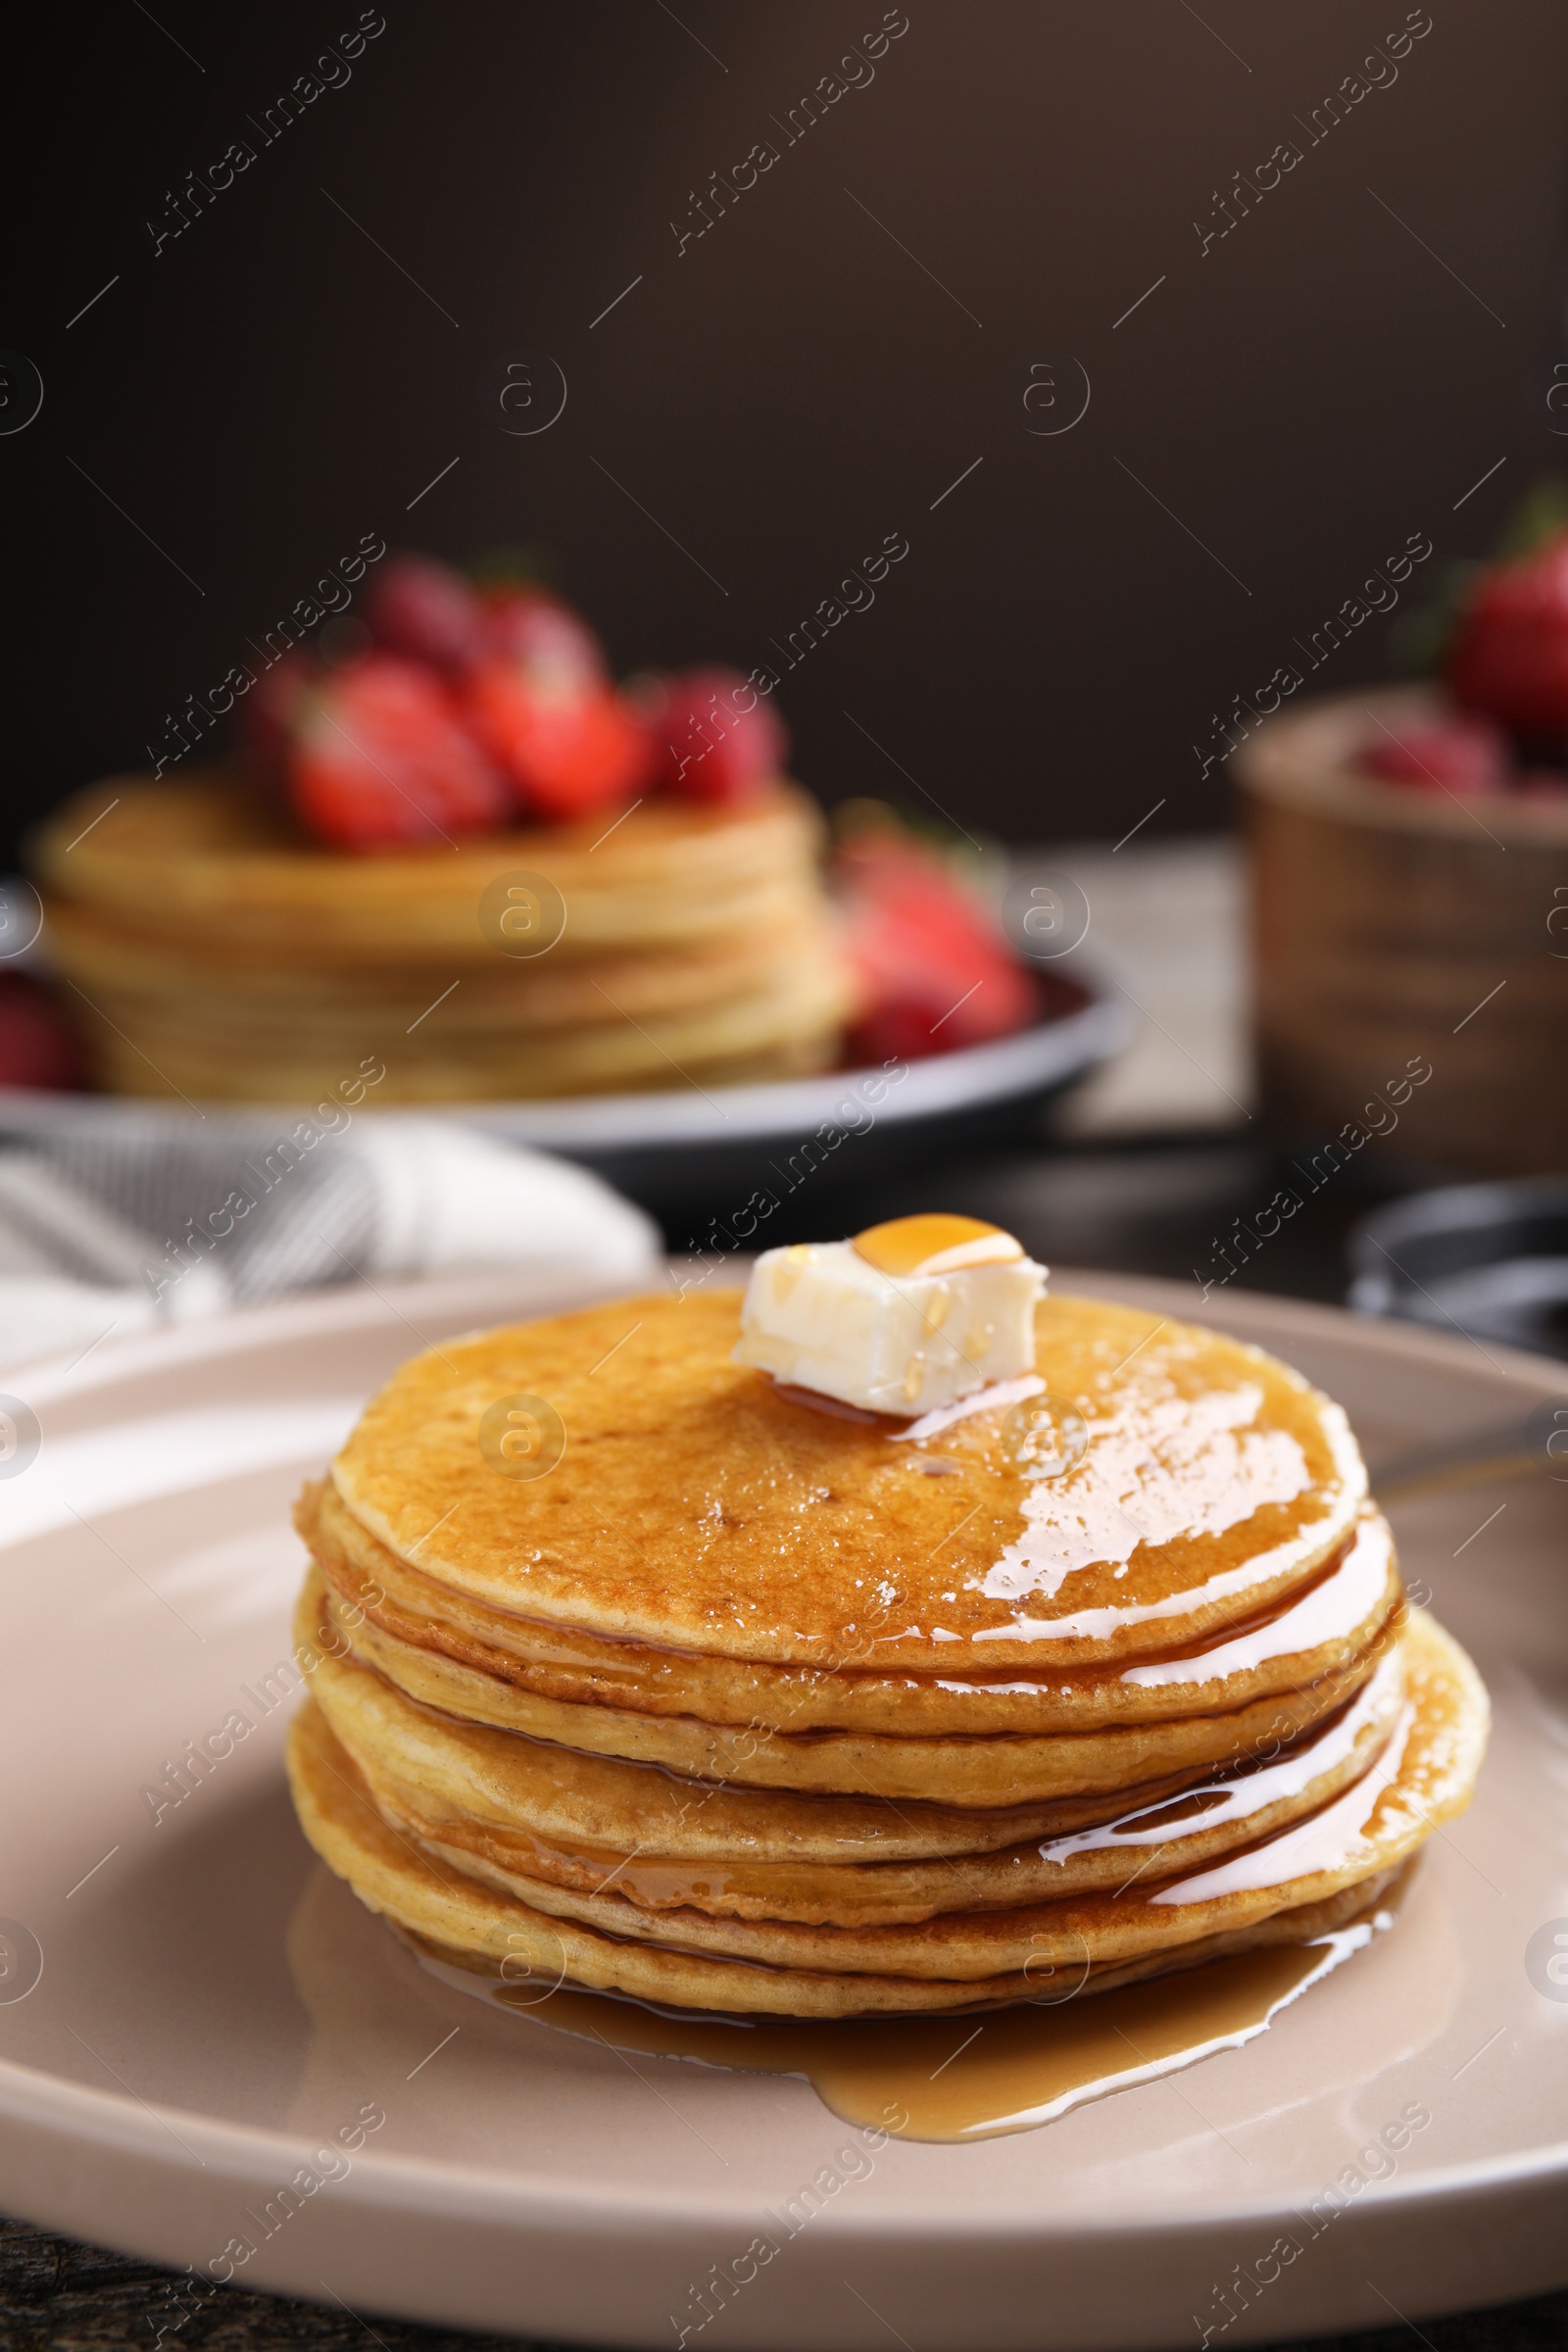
(348, 1306)
(515, 2196)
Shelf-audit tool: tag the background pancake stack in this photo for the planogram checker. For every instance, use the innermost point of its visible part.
(631, 1671)
(213, 953)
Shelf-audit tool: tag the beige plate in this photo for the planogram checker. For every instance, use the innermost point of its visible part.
(213, 2008)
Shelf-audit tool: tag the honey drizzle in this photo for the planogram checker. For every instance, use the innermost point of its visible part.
(909, 1245)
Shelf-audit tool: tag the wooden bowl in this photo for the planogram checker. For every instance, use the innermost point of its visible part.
(1397, 931)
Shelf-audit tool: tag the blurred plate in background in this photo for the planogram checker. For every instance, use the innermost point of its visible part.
(685, 1150)
(1487, 1259)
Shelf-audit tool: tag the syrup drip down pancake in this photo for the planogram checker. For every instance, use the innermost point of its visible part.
(755, 1700)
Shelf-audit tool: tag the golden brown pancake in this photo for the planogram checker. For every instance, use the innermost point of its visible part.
(197, 1041)
(215, 952)
(1329, 1865)
(735, 1699)
(580, 1800)
(699, 1509)
(958, 1770)
(539, 996)
(1310, 1634)
(213, 857)
(462, 1788)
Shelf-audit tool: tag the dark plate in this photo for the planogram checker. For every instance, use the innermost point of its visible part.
(686, 1153)
(1491, 1260)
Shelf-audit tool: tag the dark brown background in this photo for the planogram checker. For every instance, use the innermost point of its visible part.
(794, 386)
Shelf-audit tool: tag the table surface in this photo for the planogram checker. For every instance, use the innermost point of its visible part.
(1143, 1172)
(1167, 931)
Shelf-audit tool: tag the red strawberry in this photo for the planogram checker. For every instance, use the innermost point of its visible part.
(545, 637)
(37, 1044)
(1510, 651)
(566, 749)
(379, 756)
(716, 739)
(427, 612)
(1463, 753)
(935, 973)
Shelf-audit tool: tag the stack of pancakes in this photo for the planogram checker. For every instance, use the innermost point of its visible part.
(213, 953)
(753, 1704)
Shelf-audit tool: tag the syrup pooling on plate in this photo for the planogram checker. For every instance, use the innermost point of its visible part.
(959, 2077)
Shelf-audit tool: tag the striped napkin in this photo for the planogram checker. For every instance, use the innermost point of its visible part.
(105, 1234)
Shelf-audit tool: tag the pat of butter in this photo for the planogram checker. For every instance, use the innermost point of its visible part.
(911, 1316)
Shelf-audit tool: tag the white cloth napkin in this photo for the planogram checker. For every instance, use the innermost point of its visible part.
(108, 1235)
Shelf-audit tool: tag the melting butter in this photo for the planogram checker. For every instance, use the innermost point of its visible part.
(897, 1328)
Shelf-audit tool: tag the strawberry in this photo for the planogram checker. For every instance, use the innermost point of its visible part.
(427, 612)
(539, 698)
(935, 973)
(714, 738)
(565, 748)
(1461, 752)
(378, 756)
(542, 635)
(37, 1044)
(1509, 655)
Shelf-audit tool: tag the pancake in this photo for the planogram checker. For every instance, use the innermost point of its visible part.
(583, 1799)
(697, 1507)
(1320, 1870)
(1310, 1634)
(751, 1701)
(464, 1790)
(216, 953)
(212, 857)
(501, 996)
(957, 1769)
(196, 1042)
